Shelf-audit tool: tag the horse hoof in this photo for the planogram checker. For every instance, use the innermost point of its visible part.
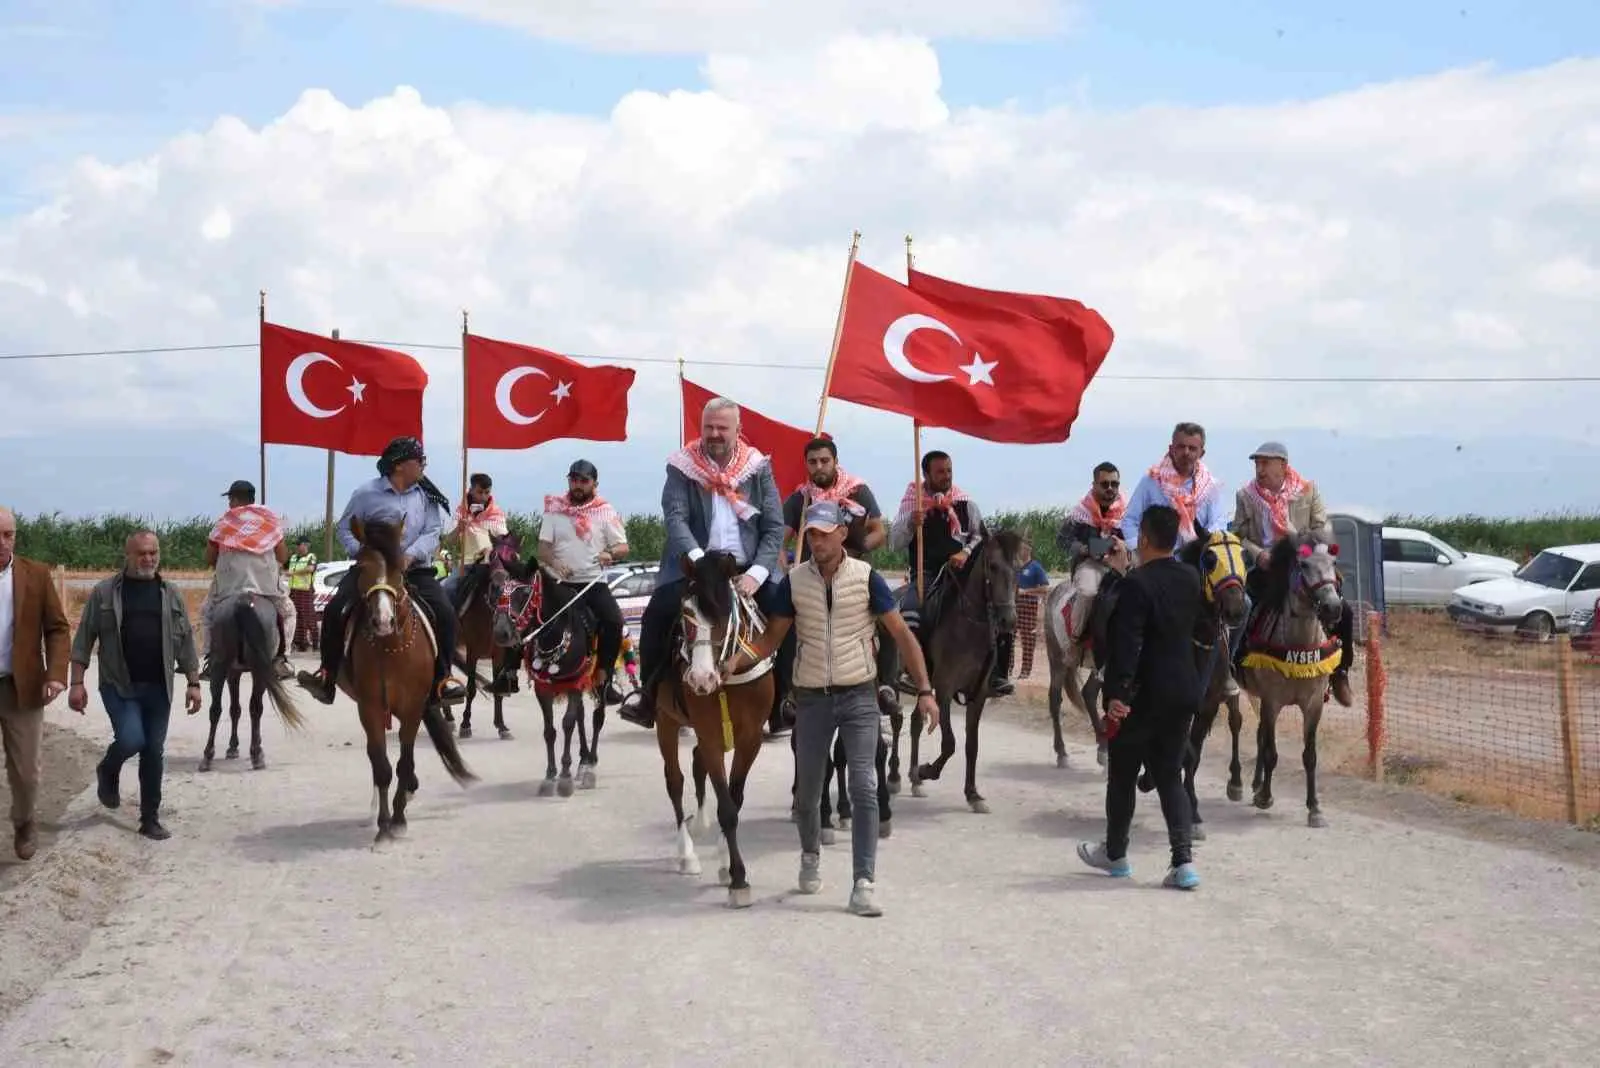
(258, 761)
(1262, 802)
(564, 786)
(547, 788)
(894, 784)
(688, 865)
(1315, 819)
(1061, 760)
(398, 830)
(586, 779)
(1235, 792)
(724, 877)
(384, 839)
(978, 805)
(205, 763)
(828, 837)
(739, 897)
(506, 736)
(231, 754)
(1197, 833)
(844, 823)
(917, 790)
(464, 731)
(885, 829)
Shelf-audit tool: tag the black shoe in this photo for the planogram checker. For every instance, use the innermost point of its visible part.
(448, 691)
(153, 830)
(639, 712)
(319, 683)
(1002, 687)
(106, 787)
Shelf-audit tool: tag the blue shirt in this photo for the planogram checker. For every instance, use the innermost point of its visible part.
(879, 599)
(379, 500)
(1033, 576)
(1211, 513)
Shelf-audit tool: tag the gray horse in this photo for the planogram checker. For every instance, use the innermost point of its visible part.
(1288, 654)
(243, 637)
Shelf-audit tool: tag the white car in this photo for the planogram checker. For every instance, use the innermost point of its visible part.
(324, 582)
(632, 585)
(1420, 569)
(1539, 599)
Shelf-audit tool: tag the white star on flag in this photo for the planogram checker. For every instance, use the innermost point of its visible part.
(978, 370)
(356, 388)
(562, 391)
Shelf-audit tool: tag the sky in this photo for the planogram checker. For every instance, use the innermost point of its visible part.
(1280, 191)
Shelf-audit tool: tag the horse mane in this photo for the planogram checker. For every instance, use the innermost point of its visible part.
(383, 537)
(1280, 566)
(1009, 543)
(710, 582)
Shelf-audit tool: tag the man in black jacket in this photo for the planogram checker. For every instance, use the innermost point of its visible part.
(1154, 692)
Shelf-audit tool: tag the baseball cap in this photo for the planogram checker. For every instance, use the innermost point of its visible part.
(583, 469)
(1270, 450)
(824, 516)
(241, 488)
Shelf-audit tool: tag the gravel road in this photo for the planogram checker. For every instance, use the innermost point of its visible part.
(510, 929)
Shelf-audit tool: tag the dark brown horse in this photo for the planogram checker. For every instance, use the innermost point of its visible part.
(963, 616)
(244, 638)
(482, 585)
(389, 672)
(558, 637)
(713, 622)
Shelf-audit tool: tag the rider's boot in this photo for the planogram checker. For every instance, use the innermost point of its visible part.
(641, 711)
(1000, 683)
(447, 690)
(320, 683)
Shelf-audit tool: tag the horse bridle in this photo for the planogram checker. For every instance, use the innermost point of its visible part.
(732, 637)
(987, 607)
(402, 599)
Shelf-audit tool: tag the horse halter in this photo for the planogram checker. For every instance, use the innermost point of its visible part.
(1297, 578)
(405, 623)
(738, 622)
(1222, 563)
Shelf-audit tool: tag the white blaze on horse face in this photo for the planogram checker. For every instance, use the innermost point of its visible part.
(702, 675)
(383, 609)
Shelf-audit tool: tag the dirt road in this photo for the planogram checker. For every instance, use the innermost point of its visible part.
(510, 929)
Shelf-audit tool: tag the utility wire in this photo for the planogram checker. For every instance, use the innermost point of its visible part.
(163, 350)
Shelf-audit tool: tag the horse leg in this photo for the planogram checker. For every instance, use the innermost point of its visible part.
(702, 821)
(1199, 729)
(569, 723)
(897, 723)
(730, 799)
(885, 813)
(975, 800)
(915, 775)
(470, 664)
(1266, 752)
(825, 803)
(500, 717)
(1059, 673)
(1235, 725)
(258, 755)
(547, 706)
(589, 757)
(234, 712)
(947, 742)
(837, 769)
(667, 740)
(1091, 703)
(382, 776)
(210, 751)
(1313, 717)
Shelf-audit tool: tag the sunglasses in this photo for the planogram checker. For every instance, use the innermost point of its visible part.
(1109, 485)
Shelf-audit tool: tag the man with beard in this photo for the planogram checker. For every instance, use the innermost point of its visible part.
(579, 537)
(1182, 482)
(1091, 531)
(401, 492)
(719, 495)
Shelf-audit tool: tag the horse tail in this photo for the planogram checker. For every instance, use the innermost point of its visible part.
(444, 743)
(253, 647)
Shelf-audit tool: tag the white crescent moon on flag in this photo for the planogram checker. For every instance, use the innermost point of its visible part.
(894, 345)
(502, 396)
(294, 381)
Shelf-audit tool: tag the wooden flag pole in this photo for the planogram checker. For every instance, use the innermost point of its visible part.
(466, 405)
(916, 458)
(327, 513)
(682, 414)
(261, 321)
(838, 329)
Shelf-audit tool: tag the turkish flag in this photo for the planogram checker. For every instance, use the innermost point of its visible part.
(338, 395)
(1008, 367)
(785, 445)
(518, 396)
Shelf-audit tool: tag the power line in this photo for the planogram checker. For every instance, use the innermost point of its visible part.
(162, 350)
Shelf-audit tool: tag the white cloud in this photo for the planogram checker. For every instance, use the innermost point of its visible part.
(696, 26)
(1442, 226)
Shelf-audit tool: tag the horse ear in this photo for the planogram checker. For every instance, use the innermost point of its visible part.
(728, 565)
(400, 531)
(359, 529)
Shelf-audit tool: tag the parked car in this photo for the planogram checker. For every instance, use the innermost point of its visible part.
(1539, 599)
(632, 585)
(1583, 626)
(1420, 569)
(324, 582)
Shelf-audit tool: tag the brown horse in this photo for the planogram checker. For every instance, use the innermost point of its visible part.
(388, 671)
(482, 585)
(713, 622)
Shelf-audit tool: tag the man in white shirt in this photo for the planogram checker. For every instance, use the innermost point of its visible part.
(580, 536)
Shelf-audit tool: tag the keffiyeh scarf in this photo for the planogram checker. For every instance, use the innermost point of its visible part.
(692, 462)
(249, 528)
(1185, 501)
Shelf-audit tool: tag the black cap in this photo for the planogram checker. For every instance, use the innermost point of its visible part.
(241, 488)
(583, 469)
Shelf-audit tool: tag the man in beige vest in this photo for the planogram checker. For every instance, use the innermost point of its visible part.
(835, 604)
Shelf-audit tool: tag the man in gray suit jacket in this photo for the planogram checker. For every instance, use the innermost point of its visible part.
(720, 494)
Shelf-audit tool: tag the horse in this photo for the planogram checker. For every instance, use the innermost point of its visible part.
(714, 620)
(1288, 654)
(243, 637)
(480, 598)
(388, 671)
(963, 615)
(557, 636)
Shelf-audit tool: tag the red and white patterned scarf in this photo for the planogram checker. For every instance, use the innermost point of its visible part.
(844, 484)
(693, 463)
(915, 495)
(1185, 501)
(1107, 521)
(1273, 506)
(249, 528)
(491, 511)
(583, 516)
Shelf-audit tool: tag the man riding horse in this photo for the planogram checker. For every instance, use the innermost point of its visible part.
(248, 551)
(1277, 503)
(952, 527)
(1183, 482)
(479, 521)
(719, 494)
(1091, 531)
(580, 536)
(400, 493)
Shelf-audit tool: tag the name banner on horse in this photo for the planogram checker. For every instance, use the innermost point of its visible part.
(518, 396)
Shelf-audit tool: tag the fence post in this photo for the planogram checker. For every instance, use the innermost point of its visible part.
(1567, 686)
(1377, 685)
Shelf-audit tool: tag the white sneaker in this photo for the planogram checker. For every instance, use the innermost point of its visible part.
(862, 899)
(810, 873)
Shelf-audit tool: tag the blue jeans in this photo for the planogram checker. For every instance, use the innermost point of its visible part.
(853, 713)
(139, 727)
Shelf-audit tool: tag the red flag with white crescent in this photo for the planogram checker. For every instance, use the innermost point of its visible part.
(518, 396)
(339, 395)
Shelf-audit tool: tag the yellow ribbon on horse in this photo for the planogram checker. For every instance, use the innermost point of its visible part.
(1319, 661)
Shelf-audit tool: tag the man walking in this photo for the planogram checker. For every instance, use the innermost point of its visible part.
(303, 595)
(34, 639)
(139, 623)
(1154, 691)
(835, 603)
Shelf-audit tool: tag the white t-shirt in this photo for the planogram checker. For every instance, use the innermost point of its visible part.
(581, 555)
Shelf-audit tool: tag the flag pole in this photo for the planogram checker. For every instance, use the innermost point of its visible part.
(261, 329)
(327, 511)
(838, 329)
(916, 458)
(465, 404)
(682, 415)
